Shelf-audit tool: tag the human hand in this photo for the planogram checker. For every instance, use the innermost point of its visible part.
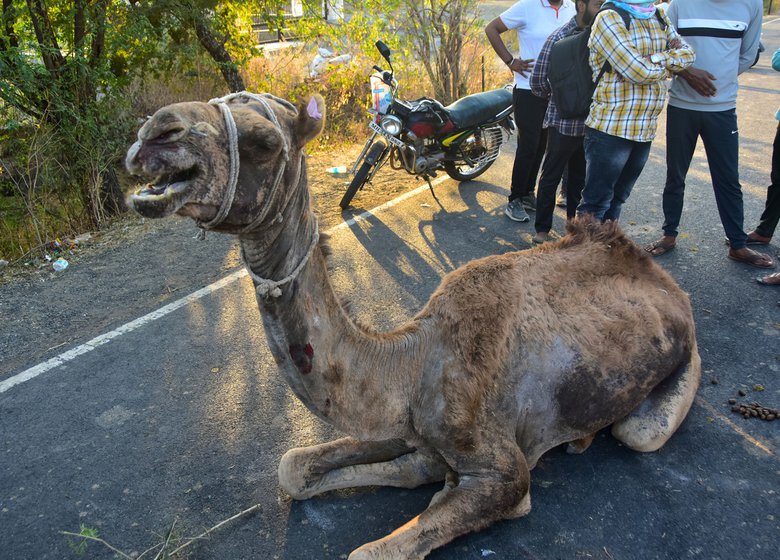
(700, 80)
(521, 66)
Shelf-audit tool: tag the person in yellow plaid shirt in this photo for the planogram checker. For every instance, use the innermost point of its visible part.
(628, 99)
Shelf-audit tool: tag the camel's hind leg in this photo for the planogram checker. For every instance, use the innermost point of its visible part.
(349, 463)
(653, 422)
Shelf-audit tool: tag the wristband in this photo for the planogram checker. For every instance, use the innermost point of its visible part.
(511, 60)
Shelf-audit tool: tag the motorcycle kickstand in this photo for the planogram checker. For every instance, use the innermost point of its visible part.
(430, 186)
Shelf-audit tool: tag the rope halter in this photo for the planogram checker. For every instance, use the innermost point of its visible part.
(265, 286)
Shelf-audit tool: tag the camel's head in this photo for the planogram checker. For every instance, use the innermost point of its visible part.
(184, 152)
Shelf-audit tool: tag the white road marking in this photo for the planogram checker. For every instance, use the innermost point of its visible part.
(100, 340)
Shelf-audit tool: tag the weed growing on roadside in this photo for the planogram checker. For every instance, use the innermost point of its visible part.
(170, 545)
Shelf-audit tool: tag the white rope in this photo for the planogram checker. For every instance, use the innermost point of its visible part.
(227, 202)
(265, 286)
(232, 134)
(272, 288)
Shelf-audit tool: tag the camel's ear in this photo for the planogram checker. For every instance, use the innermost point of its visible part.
(311, 119)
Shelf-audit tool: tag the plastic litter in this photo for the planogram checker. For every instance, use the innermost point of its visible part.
(59, 265)
(323, 59)
(340, 170)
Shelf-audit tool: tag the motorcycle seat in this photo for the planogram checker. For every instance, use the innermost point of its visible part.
(478, 107)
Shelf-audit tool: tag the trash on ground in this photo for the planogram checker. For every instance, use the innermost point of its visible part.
(59, 265)
(340, 170)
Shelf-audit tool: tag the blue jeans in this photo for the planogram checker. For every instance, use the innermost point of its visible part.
(718, 131)
(613, 166)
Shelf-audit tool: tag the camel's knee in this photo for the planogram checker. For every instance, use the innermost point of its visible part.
(501, 499)
(579, 445)
(522, 508)
(656, 419)
(295, 476)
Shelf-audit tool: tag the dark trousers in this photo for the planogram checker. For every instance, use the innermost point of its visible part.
(563, 152)
(719, 133)
(768, 222)
(613, 165)
(531, 141)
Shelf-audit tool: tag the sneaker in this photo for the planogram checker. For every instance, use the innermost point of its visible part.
(514, 210)
(529, 202)
(561, 201)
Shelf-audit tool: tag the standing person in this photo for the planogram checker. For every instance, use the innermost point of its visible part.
(767, 224)
(703, 102)
(627, 101)
(564, 136)
(534, 21)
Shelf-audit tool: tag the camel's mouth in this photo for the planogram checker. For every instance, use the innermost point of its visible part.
(167, 185)
(164, 195)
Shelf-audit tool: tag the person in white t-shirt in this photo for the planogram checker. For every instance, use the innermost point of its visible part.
(534, 20)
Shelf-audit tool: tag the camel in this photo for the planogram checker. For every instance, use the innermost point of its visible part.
(496, 369)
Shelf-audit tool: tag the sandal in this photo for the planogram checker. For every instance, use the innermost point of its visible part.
(771, 280)
(753, 239)
(539, 238)
(756, 239)
(660, 247)
(752, 258)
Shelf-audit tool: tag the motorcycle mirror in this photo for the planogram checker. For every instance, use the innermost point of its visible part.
(384, 50)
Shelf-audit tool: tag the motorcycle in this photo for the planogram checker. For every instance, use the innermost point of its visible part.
(423, 136)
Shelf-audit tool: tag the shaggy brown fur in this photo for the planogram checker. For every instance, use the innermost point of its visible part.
(495, 370)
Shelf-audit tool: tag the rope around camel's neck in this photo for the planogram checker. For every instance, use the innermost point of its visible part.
(265, 287)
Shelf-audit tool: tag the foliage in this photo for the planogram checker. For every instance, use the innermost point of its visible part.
(77, 75)
(438, 31)
(67, 66)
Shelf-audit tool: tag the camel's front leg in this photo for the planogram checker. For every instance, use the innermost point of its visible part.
(488, 492)
(348, 463)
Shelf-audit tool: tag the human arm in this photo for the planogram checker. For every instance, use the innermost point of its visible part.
(493, 30)
(751, 38)
(700, 80)
(678, 55)
(612, 40)
(540, 87)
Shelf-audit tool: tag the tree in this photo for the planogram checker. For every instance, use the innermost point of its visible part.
(439, 30)
(64, 67)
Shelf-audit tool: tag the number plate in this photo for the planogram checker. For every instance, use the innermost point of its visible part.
(393, 140)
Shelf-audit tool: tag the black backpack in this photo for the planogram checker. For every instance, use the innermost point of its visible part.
(570, 76)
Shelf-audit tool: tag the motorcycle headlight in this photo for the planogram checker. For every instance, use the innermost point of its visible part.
(392, 125)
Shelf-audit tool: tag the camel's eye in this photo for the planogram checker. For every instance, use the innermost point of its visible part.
(169, 135)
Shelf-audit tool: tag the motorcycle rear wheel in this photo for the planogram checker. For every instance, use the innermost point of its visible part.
(372, 158)
(482, 147)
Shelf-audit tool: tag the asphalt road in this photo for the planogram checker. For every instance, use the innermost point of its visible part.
(184, 417)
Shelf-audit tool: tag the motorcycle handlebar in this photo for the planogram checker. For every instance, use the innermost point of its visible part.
(387, 77)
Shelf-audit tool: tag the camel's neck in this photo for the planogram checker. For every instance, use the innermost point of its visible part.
(347, 376)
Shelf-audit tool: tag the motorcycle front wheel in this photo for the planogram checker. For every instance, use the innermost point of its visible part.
(480, 149)
(372, 158)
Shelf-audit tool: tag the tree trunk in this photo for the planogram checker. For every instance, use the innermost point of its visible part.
(47, 40)
(220, 55)
(8, 39)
